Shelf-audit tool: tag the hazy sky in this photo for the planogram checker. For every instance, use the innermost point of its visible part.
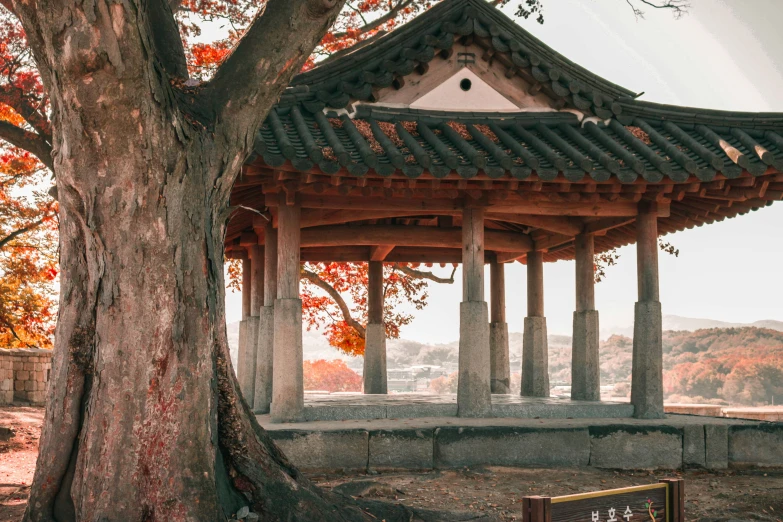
(725, 54)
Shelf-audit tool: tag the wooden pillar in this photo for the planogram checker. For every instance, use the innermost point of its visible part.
(288, 384)
(500, 378)
(647, 366)
(535, 350)
(375, 334)
(270, 265)
(473, 389)
(535, 284)
(248, 347)
(247, 276)
(585, 368)
(497, 285)
(257, 262)
(266, 325)
(245, 337)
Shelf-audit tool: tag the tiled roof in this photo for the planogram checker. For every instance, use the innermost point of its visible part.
(644, 143)
(356, 75)
(331, 139)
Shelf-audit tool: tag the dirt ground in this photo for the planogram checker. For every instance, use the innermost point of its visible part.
(724, 496)
(17, 459)
(713, 497)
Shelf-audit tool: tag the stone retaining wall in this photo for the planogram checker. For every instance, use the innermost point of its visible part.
(610, 446)
(24, 375)
(762, 413)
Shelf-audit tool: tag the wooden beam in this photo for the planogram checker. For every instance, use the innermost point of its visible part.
(319, 217)
(248, 239)
(353, 203)
(416, 236)
(358, 254)
(424, 255)
(549, 242)
(559, 225)
(601, 226)
(514, 205)
(336, 255)
(510, 257)
(379, 252)
(236, 254)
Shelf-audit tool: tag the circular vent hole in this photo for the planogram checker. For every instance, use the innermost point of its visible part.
(465, 84)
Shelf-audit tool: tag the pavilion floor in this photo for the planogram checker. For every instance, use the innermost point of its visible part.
(358, 406)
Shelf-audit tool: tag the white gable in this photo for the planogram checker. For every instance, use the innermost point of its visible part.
(464, 91)
(442, 87)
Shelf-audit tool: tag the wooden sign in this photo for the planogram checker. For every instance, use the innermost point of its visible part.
(662, 502)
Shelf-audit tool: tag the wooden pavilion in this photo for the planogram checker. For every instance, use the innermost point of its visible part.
(461, 138)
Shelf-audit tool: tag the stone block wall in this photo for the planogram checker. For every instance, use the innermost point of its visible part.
(24, 375)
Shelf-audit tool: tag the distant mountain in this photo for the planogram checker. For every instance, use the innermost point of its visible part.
(704, 360)
(691, 324)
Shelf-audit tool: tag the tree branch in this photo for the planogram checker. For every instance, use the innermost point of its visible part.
(166, 38)
(337, 298)
(27, 106)
(16, 233)
(420, 274)
(678, 7)
(271, 52)
(391, 15)
(28, 141)
(8, 4)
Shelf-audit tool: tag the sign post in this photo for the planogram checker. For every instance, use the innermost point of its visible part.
(662, 502)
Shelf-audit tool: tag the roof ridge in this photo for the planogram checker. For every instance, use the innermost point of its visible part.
(397, 33)
(358, 74)
(653, 111)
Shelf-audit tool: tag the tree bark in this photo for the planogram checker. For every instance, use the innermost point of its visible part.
(144, 420)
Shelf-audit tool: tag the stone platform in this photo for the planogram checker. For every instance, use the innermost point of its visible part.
(679, 441)
(357, 406)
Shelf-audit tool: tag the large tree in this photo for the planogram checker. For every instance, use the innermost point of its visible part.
(144, 419)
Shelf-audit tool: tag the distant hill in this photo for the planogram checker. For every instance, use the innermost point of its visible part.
(691, 324)
(731, 365)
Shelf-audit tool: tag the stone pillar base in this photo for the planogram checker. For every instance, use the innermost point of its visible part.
(500, 374)
(287, 381)
(246, 358)
(264, 359)
(535, 358)
(647, 368)
(374, 373)
(474, 397)
(585, 367)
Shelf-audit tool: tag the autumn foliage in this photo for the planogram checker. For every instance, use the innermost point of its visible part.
(343, 321)
(28, 226)
(28, 242)
(330, 376)
(741, 366)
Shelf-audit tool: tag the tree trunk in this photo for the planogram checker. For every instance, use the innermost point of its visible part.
(144, 419)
